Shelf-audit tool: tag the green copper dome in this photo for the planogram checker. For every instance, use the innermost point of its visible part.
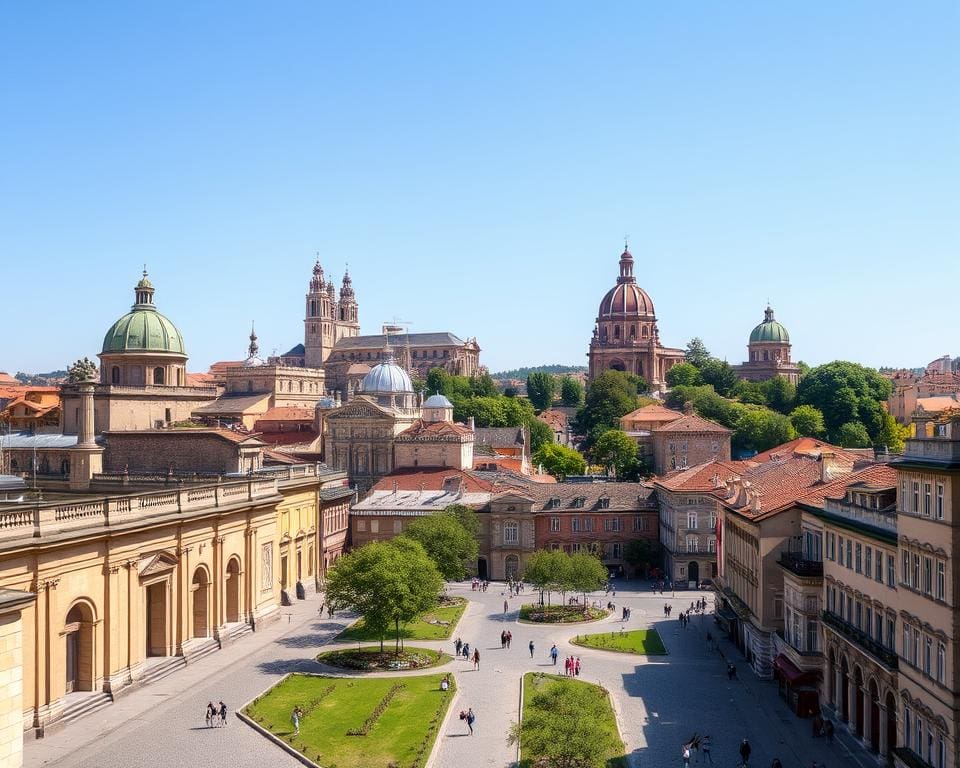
(769, 330)
(143, 328)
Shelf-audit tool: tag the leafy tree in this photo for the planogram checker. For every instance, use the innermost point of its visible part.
(749, 393)
(486, 411)
(483, 385)
(807, 421)
(684, 374)
(697, 353)
(467, 517)
(892, 435)
(720, 374)
(559, 460)
(540, 434)
(516, 412)
(853, 434)
(571, 392)
(780, 393)
(587, 573)
(759, 429)
(548, 571)
(387, 583)
(610, 395)
(615, 450)
(846, 392)
(804, 368)
(447, 541)
(82, 370)
(640, 553)
(510, 392)
(555, 369)
(562, 726)
(541, 387)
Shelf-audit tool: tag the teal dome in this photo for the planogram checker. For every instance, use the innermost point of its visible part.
(143, 328)
(769, 331)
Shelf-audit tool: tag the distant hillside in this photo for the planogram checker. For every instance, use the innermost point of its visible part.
(522, 373)
(40, 379)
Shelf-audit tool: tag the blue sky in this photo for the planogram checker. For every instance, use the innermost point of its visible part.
(478, 168)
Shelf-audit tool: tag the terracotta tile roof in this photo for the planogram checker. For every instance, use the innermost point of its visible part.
(484, 461)
(287, 413)
(653, 412)
(556, 419)
(703, 477)
(692, 423)
(771, 486)
(499, 437)
(199, 379)
(221, 366)
(937, 403)
(302, 437)
(875, 477)
(421, 428)
(6, 378)
(942, 379)
(563, 497)
(431, 480)
(806, 446)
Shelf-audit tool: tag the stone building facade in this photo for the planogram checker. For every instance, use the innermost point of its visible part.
(688, 441)
(626, 336)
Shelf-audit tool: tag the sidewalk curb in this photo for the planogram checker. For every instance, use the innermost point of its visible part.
(270, 736)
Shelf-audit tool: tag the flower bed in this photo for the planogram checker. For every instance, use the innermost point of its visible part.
(370, 658)
(560, 614)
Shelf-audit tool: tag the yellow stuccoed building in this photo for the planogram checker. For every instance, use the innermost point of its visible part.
(131, 586)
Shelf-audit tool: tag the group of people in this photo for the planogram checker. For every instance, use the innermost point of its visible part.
(822, 727)
(696, 743)
(469, 718)
(659, 586)
(571, 666)
(684, 618)
(216, 715)
(506, 637)
(479, 586)
(463, 649)
(514, 587)
(626, 614)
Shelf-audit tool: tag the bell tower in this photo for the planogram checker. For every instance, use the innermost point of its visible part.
(348, 320)
(318, 326)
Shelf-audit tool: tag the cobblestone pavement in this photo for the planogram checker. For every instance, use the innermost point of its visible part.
(660, 701)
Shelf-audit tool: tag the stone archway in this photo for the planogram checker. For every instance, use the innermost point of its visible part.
(78, 633)
(511, 564)
(890, 704)
(200, 589)
(874, 693)
(843, 703)
(693, 573)
(618, 365)
(233, 590)
(858, 709)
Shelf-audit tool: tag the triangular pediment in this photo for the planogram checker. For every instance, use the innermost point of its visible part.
(359, 409)
(161, 562)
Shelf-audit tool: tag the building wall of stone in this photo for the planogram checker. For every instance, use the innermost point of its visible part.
(131, 408)
(433, 454)
(678, 450)
(335, 533)
(11, 689)
(368, 528)
(684, 543)
(161, 451)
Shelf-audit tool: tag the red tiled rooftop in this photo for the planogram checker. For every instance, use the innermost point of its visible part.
(430, 480)
(877, 476)
(692, 423)
(805, 446)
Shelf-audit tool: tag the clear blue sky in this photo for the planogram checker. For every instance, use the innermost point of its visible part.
(478, 168)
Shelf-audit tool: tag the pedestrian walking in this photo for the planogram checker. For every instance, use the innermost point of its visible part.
(223, 714)
(476, 659)
(828, 730)
(505, 606)
(466, 651)
(705, 743)
(686, 757)
(531, 649)
(458, 645)
(576, 667)
(553, 654)
(566, 665)
(471, 719)
(295, 719)
(745, 751)
(322, 606)
(503, 639)
(211, 714)
(509, 638)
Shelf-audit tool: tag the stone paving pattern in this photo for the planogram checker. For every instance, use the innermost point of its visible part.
(660, 701)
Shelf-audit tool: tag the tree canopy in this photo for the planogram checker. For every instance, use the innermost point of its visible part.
(559, 460)
(541, 387)
(807, 421)
(697, 352)
(571, 392)
(616, 450)
(847, 393)
(610, 395)
(388, 583)
(684, 374)
(447, 541)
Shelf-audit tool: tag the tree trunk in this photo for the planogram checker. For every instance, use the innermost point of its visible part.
(397, 624)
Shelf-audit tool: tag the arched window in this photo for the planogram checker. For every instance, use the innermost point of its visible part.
(115, 374)
(158, 375)
(643, 331)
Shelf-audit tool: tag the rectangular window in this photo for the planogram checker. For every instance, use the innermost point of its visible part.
(939, 501)
(575, 524)
(879, 569)
(927, 576)
(840, 549)
(905, 649)
(891, 631)
(692, 544)
(397, 526)
(831, 546)
(849, 555)
(554, 525)
(941, 662)
(588, 524)
(927, 654)
(916, 498)
(813, 643)
(510, 533)
(868, 562)
(926, 499)
(374, 526)
(941, 580)
(711, 545)
(361, 524)
(830, 598)
(858, 615)
(878, 628)
(692, 520)
(868, 619)
(611, 524)
(905, 568)
(916, 647)
(916, 571)
(891, 571)
(615, 550)
(858, 558)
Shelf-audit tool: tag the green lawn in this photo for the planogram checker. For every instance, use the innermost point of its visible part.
(402, 734)
(642, 641)
(559, 614)
(368, 658)
(421, 629)
(537, 681)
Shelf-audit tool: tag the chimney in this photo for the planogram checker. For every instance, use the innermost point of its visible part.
(470, 424)
(688, 408)
(830, 468)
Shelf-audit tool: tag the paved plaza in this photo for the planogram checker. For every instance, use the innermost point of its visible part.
(660, 701)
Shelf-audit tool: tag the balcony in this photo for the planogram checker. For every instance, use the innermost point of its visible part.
(797, 565)
(880, 652)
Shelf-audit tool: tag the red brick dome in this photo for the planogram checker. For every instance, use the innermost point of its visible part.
(626, 297)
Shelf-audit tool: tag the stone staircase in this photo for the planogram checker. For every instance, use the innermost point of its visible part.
(159, 667)
(84, 705)
(233, 632)
(198, 649)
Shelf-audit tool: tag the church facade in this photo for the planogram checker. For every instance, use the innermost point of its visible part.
(625, 336)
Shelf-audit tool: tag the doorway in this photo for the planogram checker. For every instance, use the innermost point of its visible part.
(693, 573)
(201, 600)
(512, 564)
(79, 636)
(157, 619)
(482, 568)
(233, 591)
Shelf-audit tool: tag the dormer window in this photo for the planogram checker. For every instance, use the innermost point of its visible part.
(604, 502)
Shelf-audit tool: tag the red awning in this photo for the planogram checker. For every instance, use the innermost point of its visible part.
(791, 672)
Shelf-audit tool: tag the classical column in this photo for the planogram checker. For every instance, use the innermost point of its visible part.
(111, 626)
(219, 580)
(86, 458)
(249, 585)
(837, 689)
(867, 714)
(884, 747)
(183, 598)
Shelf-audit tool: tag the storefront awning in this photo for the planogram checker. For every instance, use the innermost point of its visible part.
(791, 672)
